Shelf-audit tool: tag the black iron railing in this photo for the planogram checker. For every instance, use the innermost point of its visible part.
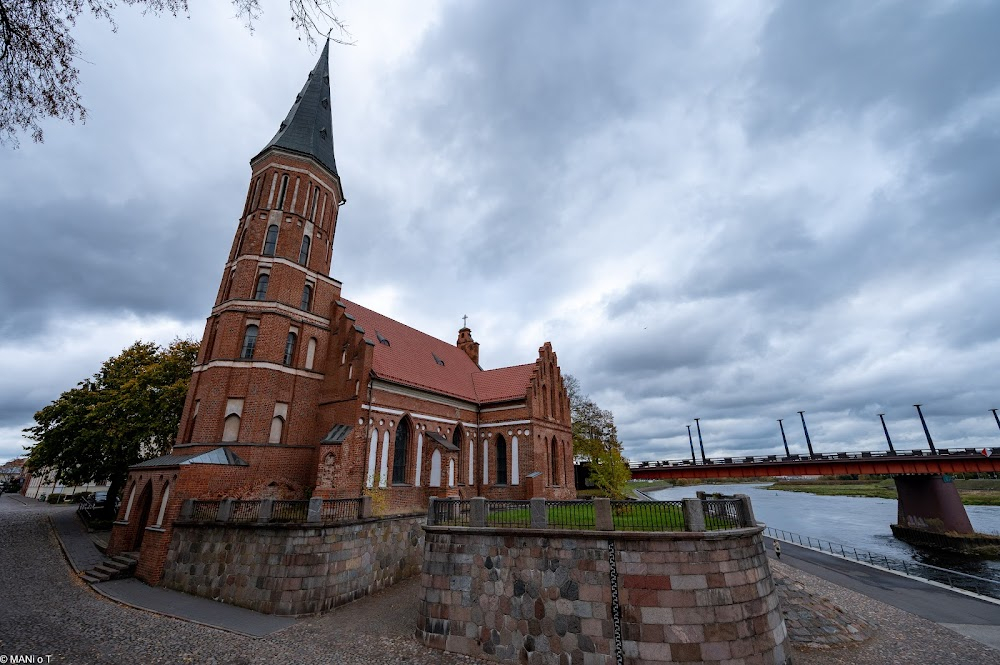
(341, 510)
(289, 511)
(722, 514)
(648, 515)
(952, 578)
(508, 513)
(245, 511)
(452, 512)
(205, 511)
(570, 514)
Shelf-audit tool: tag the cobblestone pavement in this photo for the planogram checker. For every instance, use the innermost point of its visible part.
(815, 622)
(899, 638)
(46, 610)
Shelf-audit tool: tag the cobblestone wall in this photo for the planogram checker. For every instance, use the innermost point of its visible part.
(541, 597)
(292, 569)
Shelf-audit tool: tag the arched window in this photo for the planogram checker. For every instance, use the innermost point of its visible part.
(501, 460)
(261, 291)
(277, 427)
(456, 440)
(553, 462)
(271, 240)
(312, 215)
(229, 286)
(435, 480)
(307, 296)
(282, 192)
(399, 453)
(304, 250)
(290, 348)
(231, 430)
(249, 342)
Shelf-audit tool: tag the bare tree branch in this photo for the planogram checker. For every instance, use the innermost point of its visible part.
(38, 75)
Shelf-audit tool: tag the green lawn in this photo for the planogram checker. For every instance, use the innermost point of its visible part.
(637, 516)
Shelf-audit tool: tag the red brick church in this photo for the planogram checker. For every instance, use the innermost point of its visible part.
(300, 392)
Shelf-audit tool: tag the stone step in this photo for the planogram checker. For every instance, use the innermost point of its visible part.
(126, 559)
(100, 577)
(116, 568)
(90, 579)
(104, 570)
(116, 565)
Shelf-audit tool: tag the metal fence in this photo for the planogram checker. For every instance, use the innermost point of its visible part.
(508, 513)
(952, 578)
(289, 511)
(451, 512)
(570, 514)
(722, 514)
(205, 511)
(341, 510)
(245, 511)
(648, 515)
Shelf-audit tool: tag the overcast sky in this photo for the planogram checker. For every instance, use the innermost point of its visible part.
(732, 211)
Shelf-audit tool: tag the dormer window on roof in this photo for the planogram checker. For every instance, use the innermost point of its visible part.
(382, 339)
(437, 360)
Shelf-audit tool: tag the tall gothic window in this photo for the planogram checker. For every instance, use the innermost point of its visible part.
(290, 348)
(312, 215)
(282, 192)
(249, 342)
(304, 250)
(271, 240)
(307, 295)
(554, 461)
(261, 291)
(399, 453)
(456, 440)
(501, 460)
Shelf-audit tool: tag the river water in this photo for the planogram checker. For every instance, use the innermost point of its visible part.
(856, 521)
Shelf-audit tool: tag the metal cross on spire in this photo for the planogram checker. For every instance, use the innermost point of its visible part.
(465, 321)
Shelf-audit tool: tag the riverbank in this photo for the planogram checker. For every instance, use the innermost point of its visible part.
(974, 492)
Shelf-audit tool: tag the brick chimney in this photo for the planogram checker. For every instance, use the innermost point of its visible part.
(467, 344)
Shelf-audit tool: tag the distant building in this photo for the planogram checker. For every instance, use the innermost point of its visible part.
(43, 483)
(301, 392)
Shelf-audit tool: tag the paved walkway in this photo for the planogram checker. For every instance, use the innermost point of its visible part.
(974, 618)
(83, 554)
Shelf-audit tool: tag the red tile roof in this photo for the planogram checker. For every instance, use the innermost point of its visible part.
(408, 359)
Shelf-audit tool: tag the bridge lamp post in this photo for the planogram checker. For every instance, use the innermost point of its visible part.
(784, 439)
(701, 444)
(806, 430)
(927, 432)
(885, 429)
(694, 460)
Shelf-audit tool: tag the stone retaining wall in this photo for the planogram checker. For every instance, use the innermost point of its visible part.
(546, 596)
(292, 569)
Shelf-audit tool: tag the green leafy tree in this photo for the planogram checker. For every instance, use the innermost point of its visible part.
(610, 473)
(595, 440)
(38, 72)
(127, 412)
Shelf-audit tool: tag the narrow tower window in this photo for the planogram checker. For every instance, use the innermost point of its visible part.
(249, 342)
(304, 250)
(290, 348)
(261, 291)
(282, 192)
(271, 240)
(399, 453)
(307, 295)
(312, 215)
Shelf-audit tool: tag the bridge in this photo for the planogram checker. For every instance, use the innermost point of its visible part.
(927, 499)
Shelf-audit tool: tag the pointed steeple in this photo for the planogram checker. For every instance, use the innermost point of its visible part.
(307, 127)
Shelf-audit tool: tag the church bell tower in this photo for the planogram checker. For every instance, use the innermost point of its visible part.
(259, 370)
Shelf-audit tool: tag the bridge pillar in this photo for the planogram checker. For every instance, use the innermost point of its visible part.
(928, 503)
